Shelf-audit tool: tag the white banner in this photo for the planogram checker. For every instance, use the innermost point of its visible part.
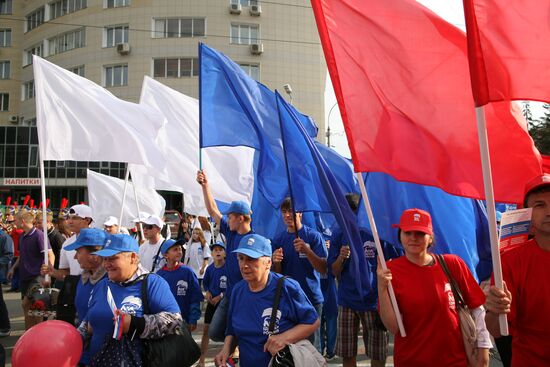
(105, 198)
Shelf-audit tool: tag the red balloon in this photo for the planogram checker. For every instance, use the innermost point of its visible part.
(51, 343)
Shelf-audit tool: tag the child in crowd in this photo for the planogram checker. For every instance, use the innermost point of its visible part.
(182, 281)
(197, 254)
(215, 284)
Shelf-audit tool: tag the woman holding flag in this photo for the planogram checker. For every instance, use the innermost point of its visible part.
(426, 300)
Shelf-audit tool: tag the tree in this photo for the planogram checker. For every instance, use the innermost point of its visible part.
(539, 129)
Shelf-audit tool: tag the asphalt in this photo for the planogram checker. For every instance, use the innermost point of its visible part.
(13, 303)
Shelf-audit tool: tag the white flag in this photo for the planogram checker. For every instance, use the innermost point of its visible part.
(229, 169)
(82, 121)
(105, 198)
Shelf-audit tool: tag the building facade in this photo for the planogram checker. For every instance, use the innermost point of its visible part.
(115, 43)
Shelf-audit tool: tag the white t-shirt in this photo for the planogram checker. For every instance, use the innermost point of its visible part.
(66, 258)
(195, 255)
(148, 252)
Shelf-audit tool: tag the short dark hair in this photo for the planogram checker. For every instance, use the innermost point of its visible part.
(286, 204)
(353, 201)
(538, 190)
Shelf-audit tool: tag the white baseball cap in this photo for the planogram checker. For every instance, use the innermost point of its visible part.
(154, 220)
(81, 210)
(111, 221)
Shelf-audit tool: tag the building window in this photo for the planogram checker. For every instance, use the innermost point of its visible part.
(115, 35)
(5, 37)
(253, 70)
(62, 7)
(34, 50)
(180, 27)
(176, 67)
(4, 101)
(244, 34)
(35, 18)
(4, 69)
(33, 155)
(28, 90)
(78, 70)
(117, 3)
(116, 75)
(5, 6)
(67, 41)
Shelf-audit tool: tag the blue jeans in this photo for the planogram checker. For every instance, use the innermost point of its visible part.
(216, 331)
(315, 338)
(4, 272)
(329, 327)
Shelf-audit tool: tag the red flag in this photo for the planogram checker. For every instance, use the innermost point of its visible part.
(400, 74)
(508, 49)
(546, 163)
(26, 201)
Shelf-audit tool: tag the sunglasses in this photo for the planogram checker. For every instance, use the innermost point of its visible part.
(148, 226)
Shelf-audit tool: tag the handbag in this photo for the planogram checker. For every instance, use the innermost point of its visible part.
(304, 352)
(467, 323)
(115, 352)
(179, 349)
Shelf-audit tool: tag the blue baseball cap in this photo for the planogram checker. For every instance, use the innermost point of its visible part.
(254, 246)
(218, 243)
(239, 207)
(170, 243)
(117, 243)
(88, 237)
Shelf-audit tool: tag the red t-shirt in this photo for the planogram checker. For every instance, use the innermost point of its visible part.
(15, 234)
(526, 271)
(427, 305)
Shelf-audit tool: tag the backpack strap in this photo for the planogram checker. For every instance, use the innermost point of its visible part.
(454, 285)
(276, 301)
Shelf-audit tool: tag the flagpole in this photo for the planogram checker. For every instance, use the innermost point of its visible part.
(381, 258)
(127, 176)
(44, 214)
(139, 217)
(491, 210)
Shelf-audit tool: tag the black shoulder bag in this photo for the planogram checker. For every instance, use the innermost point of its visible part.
(179, 349)
(283, 358)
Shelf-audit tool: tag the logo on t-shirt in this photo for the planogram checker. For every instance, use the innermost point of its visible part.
(266, 316)
(370, 249)
(130, 305)
(223, 282)
(450, 296)
(182, 287)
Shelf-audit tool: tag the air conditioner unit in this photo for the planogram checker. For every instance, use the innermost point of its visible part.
(123, 48)
(255, 10)
(235, 8)
(14, 119)
(256, 48)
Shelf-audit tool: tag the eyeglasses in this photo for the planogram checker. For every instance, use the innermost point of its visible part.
(148, 226)
(74, 217)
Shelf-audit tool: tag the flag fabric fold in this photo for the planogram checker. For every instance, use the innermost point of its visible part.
(105, 199)
(314, 187)
(229, 169)
(406, 101)
(94, 124)
(231, 102)
(507, 49)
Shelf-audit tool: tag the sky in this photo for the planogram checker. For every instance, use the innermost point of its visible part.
(452, 12)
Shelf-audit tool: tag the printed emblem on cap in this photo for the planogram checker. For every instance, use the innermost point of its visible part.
(107, 243)
(416, 217)
(250, 241)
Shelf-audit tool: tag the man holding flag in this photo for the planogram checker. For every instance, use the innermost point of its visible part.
(525, 298)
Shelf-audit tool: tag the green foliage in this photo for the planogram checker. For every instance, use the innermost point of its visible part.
(539, 129)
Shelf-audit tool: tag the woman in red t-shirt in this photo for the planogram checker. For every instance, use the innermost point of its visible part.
(426, 301)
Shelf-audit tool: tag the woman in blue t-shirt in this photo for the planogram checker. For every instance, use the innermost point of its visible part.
(120, 296)
(250, 308)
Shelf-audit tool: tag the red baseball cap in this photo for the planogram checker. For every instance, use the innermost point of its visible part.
(415, 220)
(535, 183)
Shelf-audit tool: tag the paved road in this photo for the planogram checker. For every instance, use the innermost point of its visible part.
(17, 325)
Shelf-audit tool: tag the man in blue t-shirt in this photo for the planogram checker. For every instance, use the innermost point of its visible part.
(300, 253)
(355, 307)
(234, 225)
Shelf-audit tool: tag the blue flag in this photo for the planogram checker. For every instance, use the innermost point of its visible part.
(313, 187)
(236, 110)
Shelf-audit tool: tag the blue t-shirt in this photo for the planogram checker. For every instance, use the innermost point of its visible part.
(185, 287)
(232, 239)
(250, 312)
(348, 294)
(328, 286)
(215, 280)
(128, 300)
(82, 297)
(297, 266)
